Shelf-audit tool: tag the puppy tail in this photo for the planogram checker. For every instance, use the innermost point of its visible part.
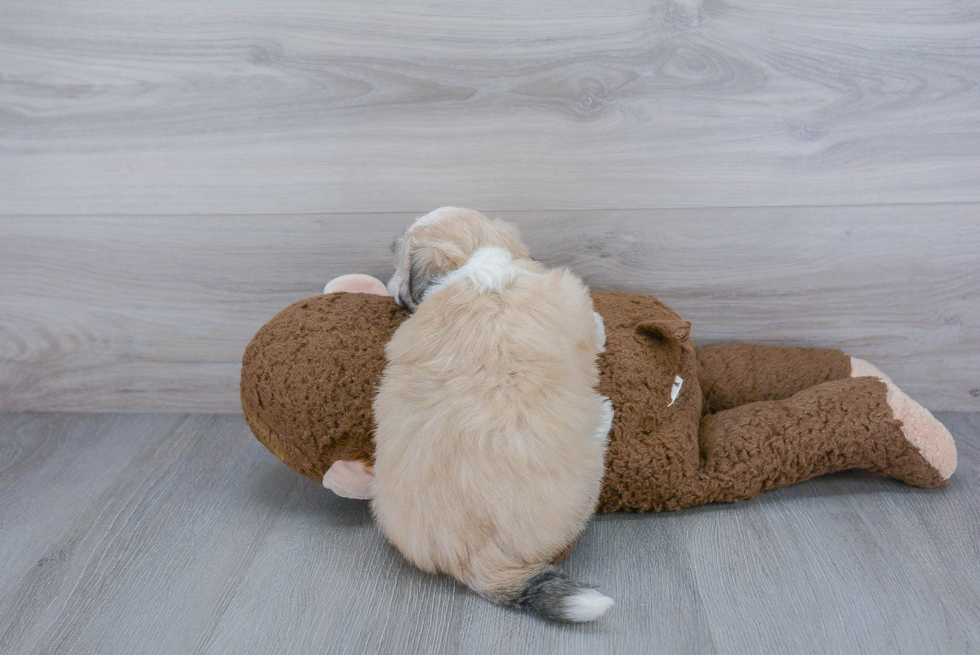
(553, 596)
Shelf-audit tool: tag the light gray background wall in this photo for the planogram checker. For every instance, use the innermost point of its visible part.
(173, 174)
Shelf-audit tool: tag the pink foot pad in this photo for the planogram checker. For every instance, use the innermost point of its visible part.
(919, 426)
(924, 431)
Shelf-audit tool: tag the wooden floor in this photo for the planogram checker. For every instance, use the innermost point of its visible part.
(165, 533)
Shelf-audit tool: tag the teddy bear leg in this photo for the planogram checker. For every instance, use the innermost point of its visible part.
(734, 375)
(857, 422)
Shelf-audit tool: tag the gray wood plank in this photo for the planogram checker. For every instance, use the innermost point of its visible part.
(835, 565)
(924, 533)
(808, 573)
(153, 313)
(307, 106)
(149, 564)
(51, 467)
(641, 561)
(203, 542)
(325, 580)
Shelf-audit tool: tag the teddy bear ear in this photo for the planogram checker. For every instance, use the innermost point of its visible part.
(666, 328)
(350, 479)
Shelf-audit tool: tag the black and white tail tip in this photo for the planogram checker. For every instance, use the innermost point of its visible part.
(552, 595)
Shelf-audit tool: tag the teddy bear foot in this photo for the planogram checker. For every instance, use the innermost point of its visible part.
(920, 428)
(926, 433)
(861, 368)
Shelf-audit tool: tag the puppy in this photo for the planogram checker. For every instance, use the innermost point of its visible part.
(490, 436)
(440, 242)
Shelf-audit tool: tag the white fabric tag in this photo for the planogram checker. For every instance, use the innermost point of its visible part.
(676, 389)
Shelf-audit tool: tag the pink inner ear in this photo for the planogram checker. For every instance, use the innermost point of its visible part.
(350, 479)
(356, 283)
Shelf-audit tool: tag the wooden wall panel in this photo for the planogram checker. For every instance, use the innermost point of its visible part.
(310, 106)
(153, 313)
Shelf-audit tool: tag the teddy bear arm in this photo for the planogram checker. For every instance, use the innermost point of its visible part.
(733, 375)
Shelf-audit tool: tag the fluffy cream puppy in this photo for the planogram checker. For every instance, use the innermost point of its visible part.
(441, 241)
(490, 435)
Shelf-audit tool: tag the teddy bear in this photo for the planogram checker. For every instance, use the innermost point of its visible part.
(691, 426)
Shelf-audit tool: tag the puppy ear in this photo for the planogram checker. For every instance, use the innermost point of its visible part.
(430, 261)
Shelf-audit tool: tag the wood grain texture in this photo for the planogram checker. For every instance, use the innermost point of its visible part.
(154, 313)
(200, 541)
(148, 565)
(307, 106)
(51, 467)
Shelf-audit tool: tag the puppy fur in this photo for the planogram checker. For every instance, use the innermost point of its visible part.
(490, 436)
(440, 242)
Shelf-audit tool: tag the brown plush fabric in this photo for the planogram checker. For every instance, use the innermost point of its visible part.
(747, 373)
(653, 447)
(834, 426)
(748, 418)
(309, 378)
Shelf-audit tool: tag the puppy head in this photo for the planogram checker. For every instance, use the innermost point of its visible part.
(439, 243)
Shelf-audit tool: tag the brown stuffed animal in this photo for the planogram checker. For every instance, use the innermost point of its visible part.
(691, 426)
